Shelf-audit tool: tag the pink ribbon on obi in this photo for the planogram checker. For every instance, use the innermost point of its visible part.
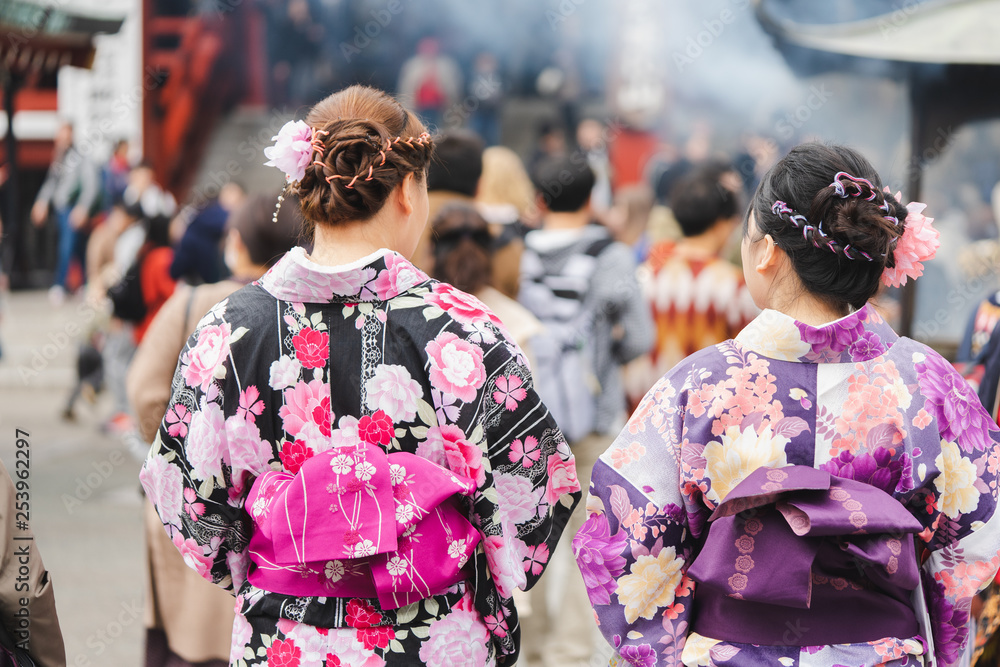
(357, 522)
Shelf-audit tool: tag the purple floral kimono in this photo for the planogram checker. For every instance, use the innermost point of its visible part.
(769, 483)
(358, 453)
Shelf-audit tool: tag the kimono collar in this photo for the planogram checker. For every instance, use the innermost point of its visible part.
(860, 336)
(380, 276)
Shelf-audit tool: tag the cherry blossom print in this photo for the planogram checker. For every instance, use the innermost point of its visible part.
(509, 391)
(208, 354)
(456, 366)
(526, 453)
(177, 418)
(312, 347)
(393, 391)
(250, 406)
(193, 508)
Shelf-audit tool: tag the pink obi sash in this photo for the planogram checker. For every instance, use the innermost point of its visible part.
(357, 522)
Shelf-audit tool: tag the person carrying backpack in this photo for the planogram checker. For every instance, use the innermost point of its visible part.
(582, 286)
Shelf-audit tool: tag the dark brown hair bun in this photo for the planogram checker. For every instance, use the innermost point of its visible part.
(369, 143)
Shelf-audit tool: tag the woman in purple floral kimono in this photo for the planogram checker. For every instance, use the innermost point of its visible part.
(355, 450)
(818, 491)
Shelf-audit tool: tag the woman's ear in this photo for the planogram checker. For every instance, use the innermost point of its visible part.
(405, 193)
(768, 256)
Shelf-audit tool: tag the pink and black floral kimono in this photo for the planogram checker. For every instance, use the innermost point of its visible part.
(796, 496)
(358, 453)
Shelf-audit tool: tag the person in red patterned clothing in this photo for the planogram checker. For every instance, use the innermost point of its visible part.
(697, 297)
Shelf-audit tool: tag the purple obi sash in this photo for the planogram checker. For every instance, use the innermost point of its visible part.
(357, 522)
(816, 560)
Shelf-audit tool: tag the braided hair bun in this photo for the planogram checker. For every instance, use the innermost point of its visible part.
(825, 207)
(365, 143)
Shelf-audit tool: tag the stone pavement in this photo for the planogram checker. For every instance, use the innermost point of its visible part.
(85, 503)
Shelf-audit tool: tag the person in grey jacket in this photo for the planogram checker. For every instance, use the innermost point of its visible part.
(582, 285)
(71, 188)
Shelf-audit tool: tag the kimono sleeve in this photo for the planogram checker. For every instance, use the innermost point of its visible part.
(634, 547)
(958, 503)
(200, 466)
(533, 483)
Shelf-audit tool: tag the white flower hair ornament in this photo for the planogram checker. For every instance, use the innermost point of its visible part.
(292, 150)
(918, 244)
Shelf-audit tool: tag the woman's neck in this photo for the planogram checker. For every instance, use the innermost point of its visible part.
(346, 243)
(809, 310)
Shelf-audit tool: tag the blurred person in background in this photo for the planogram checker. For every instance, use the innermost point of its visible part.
(505, 195)
(295, 41)
(430, 82)
(198, 253)
(590, 139)
(463, 247)
(190, 621)
(144, 286)
(115, 174)
(628, 218)
(71, 188)
(454, 177)
(486, 87)
(697, 297)
(581, 285)
(550, 144)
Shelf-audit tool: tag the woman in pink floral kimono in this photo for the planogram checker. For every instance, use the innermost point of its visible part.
(817, 491)
(355, 450)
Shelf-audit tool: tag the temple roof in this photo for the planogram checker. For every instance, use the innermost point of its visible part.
(960, 32)
(35, 36)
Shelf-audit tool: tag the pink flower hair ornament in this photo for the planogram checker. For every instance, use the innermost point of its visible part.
(918, 244)
(292, 150)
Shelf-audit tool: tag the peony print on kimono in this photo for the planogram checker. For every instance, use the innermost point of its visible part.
(447, 446)
(163, 482)
(456, 366)
(394, 391)
(457, 638)
(398, 276)
(949, 399)
(208, 450)
(205, 361)
(876, 395)
(312, 347)
(462, 307)
(306, 403)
